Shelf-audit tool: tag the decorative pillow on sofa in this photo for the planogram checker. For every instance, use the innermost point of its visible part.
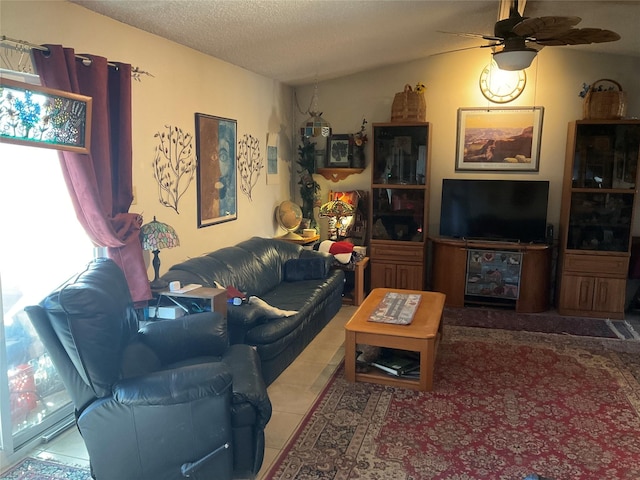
(342, 250)
(297, 269)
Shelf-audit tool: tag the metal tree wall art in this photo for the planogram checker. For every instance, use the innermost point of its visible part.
(250, 162)
(174, 165)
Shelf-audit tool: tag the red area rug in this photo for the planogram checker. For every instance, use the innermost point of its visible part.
(546, 322)
(505, 405)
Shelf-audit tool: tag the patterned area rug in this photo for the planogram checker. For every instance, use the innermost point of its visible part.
(547, 322)
(36, 469)
(505, 405)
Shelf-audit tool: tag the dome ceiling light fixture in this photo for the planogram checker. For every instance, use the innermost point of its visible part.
(516, 40)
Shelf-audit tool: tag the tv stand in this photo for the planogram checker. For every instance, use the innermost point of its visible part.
(527, 270)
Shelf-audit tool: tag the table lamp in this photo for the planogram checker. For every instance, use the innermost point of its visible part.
(338, 210)
(154, 237)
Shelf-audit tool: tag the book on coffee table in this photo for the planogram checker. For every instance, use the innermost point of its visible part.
(396, 308)
(396, 364)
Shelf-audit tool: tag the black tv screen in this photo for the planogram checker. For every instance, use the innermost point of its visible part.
(500, 210)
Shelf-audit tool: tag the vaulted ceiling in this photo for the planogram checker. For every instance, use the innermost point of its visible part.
(302, 41)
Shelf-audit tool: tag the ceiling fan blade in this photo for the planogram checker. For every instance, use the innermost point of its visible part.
(580, 36)
(474, 35)
(544, 27)
(466, 48)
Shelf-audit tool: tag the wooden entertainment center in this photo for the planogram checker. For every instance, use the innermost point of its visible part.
(509, 274)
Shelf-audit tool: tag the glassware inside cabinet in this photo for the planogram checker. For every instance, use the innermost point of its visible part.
(398, 214)
(600, 221)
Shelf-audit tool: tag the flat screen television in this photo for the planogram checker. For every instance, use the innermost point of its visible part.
(499, 210)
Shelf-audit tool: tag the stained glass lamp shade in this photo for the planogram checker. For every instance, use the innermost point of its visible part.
(315, 126)
(154, 237)
(341, 214)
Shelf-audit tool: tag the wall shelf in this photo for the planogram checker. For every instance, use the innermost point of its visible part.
(337, 174)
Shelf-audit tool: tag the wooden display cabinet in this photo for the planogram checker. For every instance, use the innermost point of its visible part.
(399, 204)
(596, 219)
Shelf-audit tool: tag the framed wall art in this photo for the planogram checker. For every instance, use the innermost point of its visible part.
(216, 169)
(37, 116)
(339, 151)
(273, 139)
(494, 139)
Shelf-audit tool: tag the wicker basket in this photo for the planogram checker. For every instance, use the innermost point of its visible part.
(605, 105)
(408, 106)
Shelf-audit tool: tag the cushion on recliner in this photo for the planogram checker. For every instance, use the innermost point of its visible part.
(298, 269)
(138, 359)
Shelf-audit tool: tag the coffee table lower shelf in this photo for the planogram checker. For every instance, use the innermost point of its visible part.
(382, 378)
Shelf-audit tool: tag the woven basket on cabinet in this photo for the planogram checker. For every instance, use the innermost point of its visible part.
(605, 105)
(408, 106)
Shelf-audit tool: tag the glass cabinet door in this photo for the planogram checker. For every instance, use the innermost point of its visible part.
(606, 156)
(398, 214)
(600, 221)
(603, 182)
(400, 154)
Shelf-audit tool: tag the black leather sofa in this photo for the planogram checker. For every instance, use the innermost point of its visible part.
(169, 401)
(282, 274)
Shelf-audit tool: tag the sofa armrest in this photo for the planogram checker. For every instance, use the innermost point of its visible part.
(248, 385)
(200, 334)
(171, 387)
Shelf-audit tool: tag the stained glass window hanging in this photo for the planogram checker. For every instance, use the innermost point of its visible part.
(43, 117)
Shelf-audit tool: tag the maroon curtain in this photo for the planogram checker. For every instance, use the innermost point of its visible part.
(100, 184)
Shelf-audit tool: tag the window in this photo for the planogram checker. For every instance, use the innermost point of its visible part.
(41, 245)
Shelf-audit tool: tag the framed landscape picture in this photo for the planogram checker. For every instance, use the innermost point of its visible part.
(491, 139)
(339, 149)
(216, 170)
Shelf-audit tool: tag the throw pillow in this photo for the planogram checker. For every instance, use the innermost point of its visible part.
(340, 250)
(297, 269)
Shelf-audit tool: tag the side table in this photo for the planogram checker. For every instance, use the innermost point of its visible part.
(301, 240)
(200, 299)
(359, 281)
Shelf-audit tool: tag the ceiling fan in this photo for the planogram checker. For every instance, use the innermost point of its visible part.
(517, 39)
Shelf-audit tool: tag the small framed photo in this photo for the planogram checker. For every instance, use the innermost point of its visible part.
(339, 150)
(494, 139)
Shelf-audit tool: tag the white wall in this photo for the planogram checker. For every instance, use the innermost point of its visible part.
(184, 82)
(553, 81)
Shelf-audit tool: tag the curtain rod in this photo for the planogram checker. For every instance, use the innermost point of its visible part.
(21, 45)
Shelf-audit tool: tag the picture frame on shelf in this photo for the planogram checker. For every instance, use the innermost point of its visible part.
(499, 139)
(216, 140)
(339, 151)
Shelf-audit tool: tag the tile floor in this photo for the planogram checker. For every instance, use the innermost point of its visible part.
(292, 394)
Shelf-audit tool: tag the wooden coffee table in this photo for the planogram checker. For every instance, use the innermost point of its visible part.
(422, 335)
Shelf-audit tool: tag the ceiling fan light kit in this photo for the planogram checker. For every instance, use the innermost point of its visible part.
(512, 60)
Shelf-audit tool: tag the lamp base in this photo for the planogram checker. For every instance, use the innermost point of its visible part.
(158, 284)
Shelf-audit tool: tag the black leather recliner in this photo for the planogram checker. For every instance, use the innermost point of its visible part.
(167, 401)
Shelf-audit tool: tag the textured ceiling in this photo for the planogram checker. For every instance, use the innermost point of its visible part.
(301, 41)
